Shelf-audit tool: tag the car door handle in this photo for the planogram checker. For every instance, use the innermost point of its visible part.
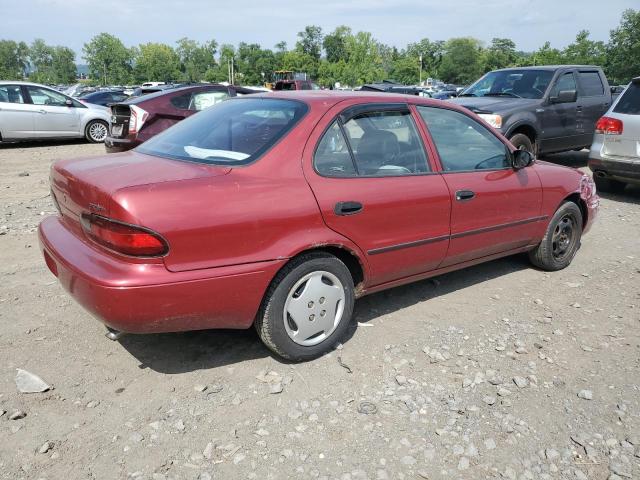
(347, 208)
(578, 108)
(43, 112)
(464, 195)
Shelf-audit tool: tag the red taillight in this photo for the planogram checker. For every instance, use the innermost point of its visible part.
(609, 126)
(124, 238)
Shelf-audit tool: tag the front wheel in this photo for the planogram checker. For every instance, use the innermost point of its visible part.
(96, 131)
(561, 240)
(522, 142)
(307, 308)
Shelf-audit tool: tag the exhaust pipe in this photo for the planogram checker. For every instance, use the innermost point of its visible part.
(113, 334)
(600, 174)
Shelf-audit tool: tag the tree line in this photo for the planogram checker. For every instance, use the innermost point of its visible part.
(351, 58)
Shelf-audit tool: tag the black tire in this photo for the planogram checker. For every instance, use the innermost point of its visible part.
(608, 185)
(90, 129)
(559, 246)
(522, 142)
(270, 321)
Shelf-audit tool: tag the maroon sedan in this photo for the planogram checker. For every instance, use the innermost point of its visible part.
(140, 118)
(279, 210)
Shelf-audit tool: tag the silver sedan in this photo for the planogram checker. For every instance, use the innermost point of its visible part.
(29, 111)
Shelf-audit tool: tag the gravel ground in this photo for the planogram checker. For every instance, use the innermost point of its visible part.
(498, 371)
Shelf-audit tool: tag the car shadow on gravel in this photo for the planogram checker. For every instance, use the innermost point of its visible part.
(42, 143)
(175, 353)
(568, 159)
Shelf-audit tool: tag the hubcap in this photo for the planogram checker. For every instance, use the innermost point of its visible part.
(98, 132)
(563, 237)
(314, 308)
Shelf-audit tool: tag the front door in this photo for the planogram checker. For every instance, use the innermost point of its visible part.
(561, 129)
(369, 171)
(54, 118)
(494, 208)
(16, 115)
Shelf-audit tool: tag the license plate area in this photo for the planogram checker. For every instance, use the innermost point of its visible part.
(116, 130)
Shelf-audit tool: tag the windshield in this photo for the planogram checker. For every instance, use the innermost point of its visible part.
(233, 132)
(511, 83)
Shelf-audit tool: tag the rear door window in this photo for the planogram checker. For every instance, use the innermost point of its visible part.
(591, 84)
(629, 102)
(11, 94)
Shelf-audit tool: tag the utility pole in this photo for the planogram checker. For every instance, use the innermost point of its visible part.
(420, 67)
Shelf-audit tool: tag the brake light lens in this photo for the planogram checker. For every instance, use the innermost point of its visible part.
(609, 126)
(124, 238)
(137, 118)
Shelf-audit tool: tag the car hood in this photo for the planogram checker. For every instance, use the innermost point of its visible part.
(494, 104)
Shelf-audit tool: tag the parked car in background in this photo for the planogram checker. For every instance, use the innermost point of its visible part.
(614, 157)
(103, 98)
(541, 109)
(444, 94)
(278, 210)
(295, 85)
(392, 87)
(29, 111)
(137, 119)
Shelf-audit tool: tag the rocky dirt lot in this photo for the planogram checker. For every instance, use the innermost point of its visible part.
(499, 371)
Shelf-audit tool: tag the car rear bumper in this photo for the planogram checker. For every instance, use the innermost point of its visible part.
(147, 298)
(115, 145)
(623, 169)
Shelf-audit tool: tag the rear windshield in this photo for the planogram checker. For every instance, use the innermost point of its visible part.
(629, 102)
(234, 132)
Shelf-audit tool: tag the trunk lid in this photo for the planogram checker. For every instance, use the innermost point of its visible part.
(88, 184)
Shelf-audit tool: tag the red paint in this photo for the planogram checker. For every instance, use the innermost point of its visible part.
(230, 230)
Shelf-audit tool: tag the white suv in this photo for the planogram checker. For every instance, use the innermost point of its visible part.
(29, 111)
(614, 158)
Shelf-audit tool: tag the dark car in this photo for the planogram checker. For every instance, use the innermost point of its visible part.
(391, 87)
(138, 119)
(444, 94)
(541, 109)
(279, 210)
(295, 85)
(104, 98)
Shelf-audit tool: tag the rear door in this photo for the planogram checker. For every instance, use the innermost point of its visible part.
(369, 171)
(16, 114)
(494, 208)
(593, 101)
(54, 118)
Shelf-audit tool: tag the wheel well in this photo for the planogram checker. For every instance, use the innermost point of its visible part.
(527, 130)
(575, 198)
(347, 257)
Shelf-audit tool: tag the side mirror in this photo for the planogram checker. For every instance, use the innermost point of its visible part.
(68, 102)
(565, 96)
(521, 159)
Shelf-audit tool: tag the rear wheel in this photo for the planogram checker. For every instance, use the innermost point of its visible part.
(561, 240)
(608, 185)
(307, 308)
(96, 131)
(522, 142)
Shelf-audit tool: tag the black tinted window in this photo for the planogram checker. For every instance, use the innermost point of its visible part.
(463, 144)
(181, 101)
(11, 94)
(565, 82)
(591, 84)
(629, 102)
(230, 133)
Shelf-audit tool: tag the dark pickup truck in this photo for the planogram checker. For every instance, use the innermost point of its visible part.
(541, 109)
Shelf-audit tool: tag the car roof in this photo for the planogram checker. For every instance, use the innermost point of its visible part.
(328, 98)
(22, 82)
(546, 67)
(171, 91)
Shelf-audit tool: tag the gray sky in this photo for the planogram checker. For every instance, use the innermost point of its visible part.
(529, 24)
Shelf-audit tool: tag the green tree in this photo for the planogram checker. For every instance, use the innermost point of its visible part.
(546, 55)
(195, 59)
(310, 41)
(156, 62)
(63, 64)
(462, 61)
(431, 53)
(14, 59)
(502, 53)
(108, 59)
(365, 60)
(335, 44)
(584, 51)
(41, 60)
(254, 64)
(623, 49)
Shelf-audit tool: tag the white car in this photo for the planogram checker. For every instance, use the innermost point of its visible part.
(29, 111)
(614, 157)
